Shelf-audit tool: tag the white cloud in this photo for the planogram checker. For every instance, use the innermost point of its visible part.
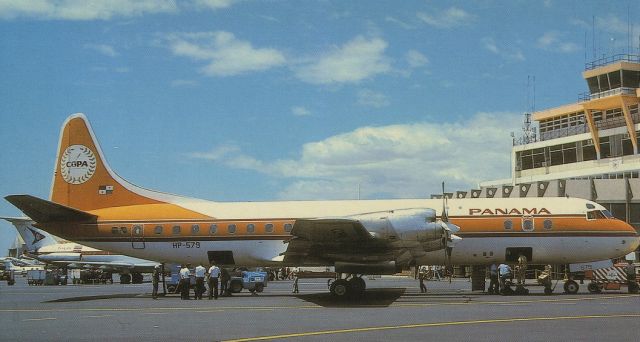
(300, 111)
(356, 60)
(552, 41)
(416, 59)
(83, 9)
(509, 53)
(104, 49)
(215, 4)
(449, 18)
(403, 160)
(226, 55)
(370, 98)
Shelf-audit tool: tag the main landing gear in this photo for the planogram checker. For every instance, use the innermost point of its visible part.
(351, 286)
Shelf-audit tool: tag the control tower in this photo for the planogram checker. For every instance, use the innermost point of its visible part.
(587, 149)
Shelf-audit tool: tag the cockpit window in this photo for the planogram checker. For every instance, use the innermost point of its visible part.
(607, 214)
(590, 206)
(595, 215)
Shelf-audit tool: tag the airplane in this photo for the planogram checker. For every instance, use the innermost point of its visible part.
(48, 248)
(21, 265)
(91, 204)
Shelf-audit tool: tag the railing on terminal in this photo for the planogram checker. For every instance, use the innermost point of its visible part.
(612, 59)
(586, 96)
(564, 132)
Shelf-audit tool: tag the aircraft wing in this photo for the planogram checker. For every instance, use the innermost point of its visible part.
(142, 267)
(325, 241)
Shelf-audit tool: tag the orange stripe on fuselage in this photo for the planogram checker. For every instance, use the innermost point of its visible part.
(559, 223)
(147, 212)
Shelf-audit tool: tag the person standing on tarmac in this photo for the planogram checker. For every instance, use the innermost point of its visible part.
(421, 276)
(522, 268)
(296, 272)
(493, 279)
(504, 273)
(631, 277)
(214, 274)
(199, 289)
(155, 280)
(224, 282)
(185, 282)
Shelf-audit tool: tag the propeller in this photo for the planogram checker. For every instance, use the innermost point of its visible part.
(449, 229)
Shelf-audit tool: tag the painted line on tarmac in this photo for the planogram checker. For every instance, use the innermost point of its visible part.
(431, 325)
(98, 316)
(39, 319)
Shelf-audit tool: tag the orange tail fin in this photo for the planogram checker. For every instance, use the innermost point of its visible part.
(82, 178)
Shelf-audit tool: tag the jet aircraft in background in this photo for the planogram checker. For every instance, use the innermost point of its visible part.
(48, 248)
(91, 204)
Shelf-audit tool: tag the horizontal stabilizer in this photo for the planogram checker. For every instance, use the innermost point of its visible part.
(43, 211)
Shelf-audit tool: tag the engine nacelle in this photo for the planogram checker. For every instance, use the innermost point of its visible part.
(405, 224)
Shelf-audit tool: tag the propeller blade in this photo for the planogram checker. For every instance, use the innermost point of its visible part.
(445, 215)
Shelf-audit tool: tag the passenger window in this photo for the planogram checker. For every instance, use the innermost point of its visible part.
(123, 230)
(115, 230)
(508, 225)
(175, 230)
(213, 229)
(527, 224)
(288, 227)
(591, 215)
(195, 229)
(548, 224)
(158, 230)
(137, 230)
(251, 228)
(231, 228)
(268, 227)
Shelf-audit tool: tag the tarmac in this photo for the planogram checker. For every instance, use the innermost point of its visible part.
(392, 309)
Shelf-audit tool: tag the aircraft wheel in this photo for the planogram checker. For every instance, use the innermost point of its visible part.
(171, 288)
(137, 278)
(357, 286)
(236, 286)
(339, 288)
(571, 287)
(594, 288)
(259, 287)
(125, 278)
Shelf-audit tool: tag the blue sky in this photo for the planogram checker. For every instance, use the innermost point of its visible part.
(266, 100)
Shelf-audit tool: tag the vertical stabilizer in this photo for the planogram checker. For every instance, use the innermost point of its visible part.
(82, 178)
(33, 237)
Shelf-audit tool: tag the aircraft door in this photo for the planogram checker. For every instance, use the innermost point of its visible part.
(137, 236)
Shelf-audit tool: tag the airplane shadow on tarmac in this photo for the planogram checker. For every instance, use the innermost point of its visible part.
(87, 298)
(373, 297)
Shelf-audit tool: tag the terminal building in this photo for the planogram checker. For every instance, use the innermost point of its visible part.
(587, 149)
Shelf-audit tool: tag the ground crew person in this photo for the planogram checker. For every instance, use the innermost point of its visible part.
(214, 274)
(295, 280)
(224, 282)
(421, 276)
(185, 282)
(504, 273)
(155, 280)
(631, 277)
(493, 279)
(199, 289)
(522, 269)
